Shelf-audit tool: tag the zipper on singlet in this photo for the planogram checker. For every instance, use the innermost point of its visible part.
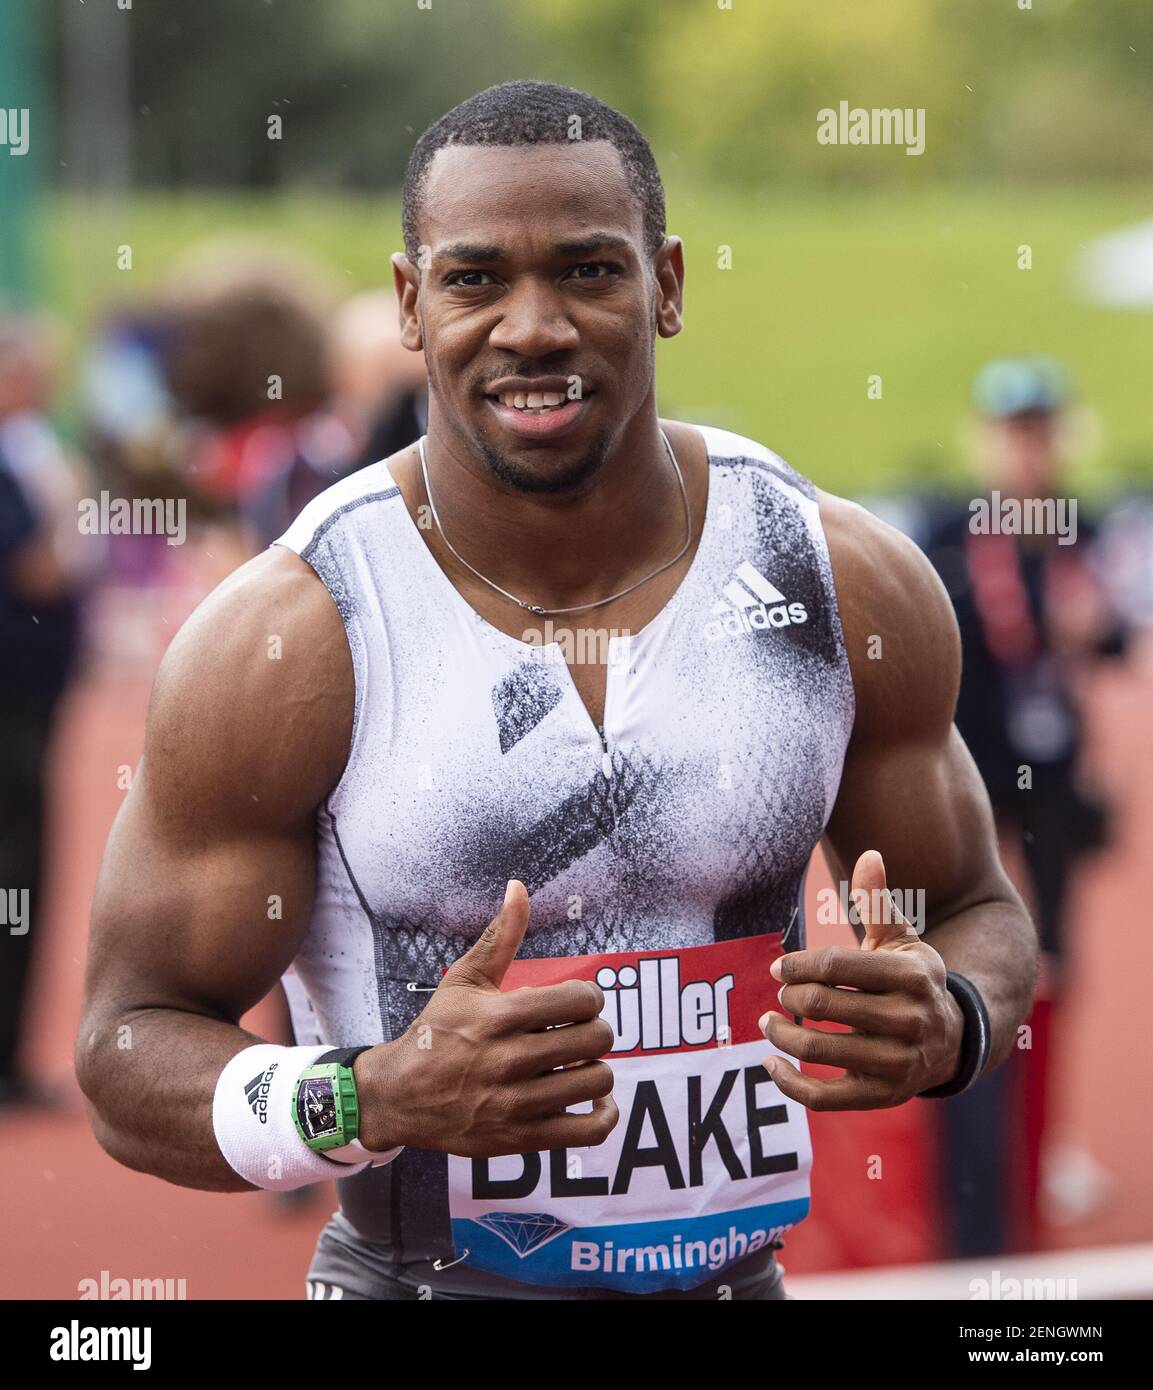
(606, 756)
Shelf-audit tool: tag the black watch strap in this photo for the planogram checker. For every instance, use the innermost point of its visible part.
(975, 1041)
(343, 1056)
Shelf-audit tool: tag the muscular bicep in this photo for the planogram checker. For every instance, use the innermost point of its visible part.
(205, 924)
(207, 882)
(909, 787)
(924, 807)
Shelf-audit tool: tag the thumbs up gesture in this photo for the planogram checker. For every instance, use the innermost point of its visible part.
(483, 1071)
(885, 925)
(905, 1027)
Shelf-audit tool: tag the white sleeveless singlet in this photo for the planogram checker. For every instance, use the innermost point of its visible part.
(664, 854)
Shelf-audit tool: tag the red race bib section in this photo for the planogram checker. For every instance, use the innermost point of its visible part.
(655, 1001)
(708, 1164)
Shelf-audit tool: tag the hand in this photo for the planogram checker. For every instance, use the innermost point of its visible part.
(481, 1072)
(1077, 613)
(906, 1026)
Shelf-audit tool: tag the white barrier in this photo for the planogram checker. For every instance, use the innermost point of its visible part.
(1107, 1272)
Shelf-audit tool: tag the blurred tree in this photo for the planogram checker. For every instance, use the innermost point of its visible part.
(353, 82)
(1062, 87)
(21, 59)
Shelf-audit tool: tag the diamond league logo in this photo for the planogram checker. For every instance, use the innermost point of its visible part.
(524, 1231)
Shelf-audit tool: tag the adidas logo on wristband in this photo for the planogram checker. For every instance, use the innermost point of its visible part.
(256, 1092)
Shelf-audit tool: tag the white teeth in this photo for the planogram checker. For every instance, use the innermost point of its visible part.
(535, 401)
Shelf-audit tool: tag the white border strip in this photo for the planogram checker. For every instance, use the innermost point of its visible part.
(1114, 1271)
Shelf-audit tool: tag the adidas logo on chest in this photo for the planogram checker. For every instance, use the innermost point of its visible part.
(750, 605)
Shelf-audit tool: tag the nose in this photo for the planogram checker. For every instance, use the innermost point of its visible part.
(534, 323)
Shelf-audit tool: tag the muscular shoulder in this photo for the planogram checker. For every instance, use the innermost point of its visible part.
(251, 712)
(900, 632)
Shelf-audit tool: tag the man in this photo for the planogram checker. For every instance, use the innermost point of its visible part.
(41, 578)
(1034, 619)
(1033, 616)
(438, 720)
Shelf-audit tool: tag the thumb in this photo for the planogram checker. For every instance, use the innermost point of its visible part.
(484, 964)
(877, 912)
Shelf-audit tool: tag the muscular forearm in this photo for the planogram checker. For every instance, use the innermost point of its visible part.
(993, 944)
(150, 1076)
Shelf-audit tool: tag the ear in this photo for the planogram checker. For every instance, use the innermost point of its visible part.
(406, 278)
(669, 269)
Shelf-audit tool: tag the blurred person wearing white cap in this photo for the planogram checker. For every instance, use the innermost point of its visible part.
(1021, 569)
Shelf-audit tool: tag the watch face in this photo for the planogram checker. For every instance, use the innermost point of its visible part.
(316, 1107)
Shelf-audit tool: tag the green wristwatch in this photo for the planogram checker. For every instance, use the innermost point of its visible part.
(325, 1107)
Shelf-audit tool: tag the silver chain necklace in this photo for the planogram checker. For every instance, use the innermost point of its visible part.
(580, 607)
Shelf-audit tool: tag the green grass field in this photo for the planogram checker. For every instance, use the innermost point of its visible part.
(824, 292)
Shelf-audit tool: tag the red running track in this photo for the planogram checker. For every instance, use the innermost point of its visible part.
(70, 1212)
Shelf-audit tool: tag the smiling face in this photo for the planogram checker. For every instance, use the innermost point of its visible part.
(538, 307)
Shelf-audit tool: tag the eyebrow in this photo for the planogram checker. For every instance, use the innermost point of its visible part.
(481, 253)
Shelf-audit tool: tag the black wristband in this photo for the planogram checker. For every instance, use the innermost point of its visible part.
(343, 1056)
(975, 1041)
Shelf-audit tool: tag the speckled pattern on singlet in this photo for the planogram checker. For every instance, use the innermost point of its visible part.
(473, 760)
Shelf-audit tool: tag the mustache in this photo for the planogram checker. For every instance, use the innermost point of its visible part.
(536, 373)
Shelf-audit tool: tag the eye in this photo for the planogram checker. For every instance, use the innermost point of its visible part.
(468, 279)
(597, 270)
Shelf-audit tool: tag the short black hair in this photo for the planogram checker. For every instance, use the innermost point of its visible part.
(536, 113)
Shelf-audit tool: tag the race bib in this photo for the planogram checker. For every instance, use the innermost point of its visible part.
(709, 1162)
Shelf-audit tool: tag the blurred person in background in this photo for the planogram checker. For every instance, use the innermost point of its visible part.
(129, 431)
(380, 387)
(249, 370)
(42, 570)
(1035, 618)
(1126, 545)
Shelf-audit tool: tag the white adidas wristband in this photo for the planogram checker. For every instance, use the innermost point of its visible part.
(255, 1131)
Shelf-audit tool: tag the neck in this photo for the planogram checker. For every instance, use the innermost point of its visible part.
(560, 549)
